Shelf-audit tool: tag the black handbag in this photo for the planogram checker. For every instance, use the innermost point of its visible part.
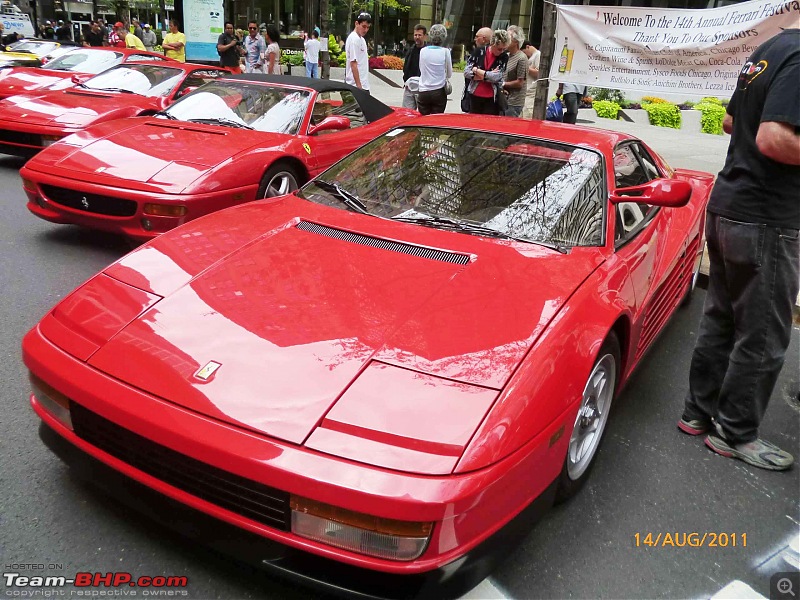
(502, 102)
(466, 101)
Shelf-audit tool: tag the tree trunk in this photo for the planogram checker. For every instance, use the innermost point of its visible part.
(547, 48)
(323, 26)
(376, 28)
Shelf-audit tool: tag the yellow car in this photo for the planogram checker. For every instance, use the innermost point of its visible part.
(30, 52)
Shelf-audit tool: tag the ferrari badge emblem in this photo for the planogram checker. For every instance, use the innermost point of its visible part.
(307, 147)
(206, 372)
(85, 202)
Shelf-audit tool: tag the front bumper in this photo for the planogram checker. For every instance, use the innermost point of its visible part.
(449, 581)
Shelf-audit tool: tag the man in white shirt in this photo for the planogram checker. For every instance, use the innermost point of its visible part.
(355, 48)
(534, 56)
(311, 54)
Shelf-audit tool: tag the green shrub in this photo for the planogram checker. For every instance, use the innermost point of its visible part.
(711, 100)
(606, 94)
(336, 53)
(460, 65)
(713, 114)
(663, 114)
(606, 109)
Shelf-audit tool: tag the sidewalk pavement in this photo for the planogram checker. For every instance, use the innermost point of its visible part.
(680, 148)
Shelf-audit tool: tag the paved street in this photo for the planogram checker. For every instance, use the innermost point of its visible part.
(649, 478)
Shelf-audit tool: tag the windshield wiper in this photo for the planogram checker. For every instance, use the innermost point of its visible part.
(349, 198)
(222, 121)
(163, 113)
(466, 227)
(119, 90)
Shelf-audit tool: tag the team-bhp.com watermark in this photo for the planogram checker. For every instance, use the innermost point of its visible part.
(19, 584)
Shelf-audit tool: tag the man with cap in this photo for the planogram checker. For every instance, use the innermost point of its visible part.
(63, 32)
(355, 48)
(113, 38)
(149, 37)
(49, 33)
(130, 40)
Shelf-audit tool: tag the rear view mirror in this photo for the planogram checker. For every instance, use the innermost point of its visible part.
(659, 192)
(332, 123)
(186, 91)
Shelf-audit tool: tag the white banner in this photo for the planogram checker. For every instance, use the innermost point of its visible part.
(668, 50)
(204, 24)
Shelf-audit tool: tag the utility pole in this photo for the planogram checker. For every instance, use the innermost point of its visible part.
(323, 38)
(547, 47)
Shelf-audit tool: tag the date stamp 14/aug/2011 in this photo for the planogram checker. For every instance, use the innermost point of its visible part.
(693, 539)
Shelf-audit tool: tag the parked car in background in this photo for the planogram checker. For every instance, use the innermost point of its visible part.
(240, 138)
(378, 380)
(29, 123)
(72, 67)
(33, 52)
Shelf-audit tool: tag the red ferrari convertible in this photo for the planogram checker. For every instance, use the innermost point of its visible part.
(379, 378)
(29, 123)
(73, 67)
(238, 139)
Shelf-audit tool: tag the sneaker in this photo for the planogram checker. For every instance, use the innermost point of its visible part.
(694, 426)
(758, 453)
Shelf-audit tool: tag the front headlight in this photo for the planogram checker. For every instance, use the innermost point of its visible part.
(389, 539)
(49, 140)
(53, 401)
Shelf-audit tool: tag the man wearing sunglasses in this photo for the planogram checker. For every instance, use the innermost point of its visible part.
(255, 48)
(357, 68)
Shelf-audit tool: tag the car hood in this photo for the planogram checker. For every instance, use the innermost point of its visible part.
(294, 314)
(70, 108)
(140, 153)
(24, 80)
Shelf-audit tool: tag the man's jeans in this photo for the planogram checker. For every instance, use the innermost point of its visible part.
(747, 323)
(409, 99)
(514, 111)
(571, 102)
(311, 70)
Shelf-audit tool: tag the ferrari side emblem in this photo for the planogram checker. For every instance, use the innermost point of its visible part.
(206, 372)
(85, 202)
(307, 147)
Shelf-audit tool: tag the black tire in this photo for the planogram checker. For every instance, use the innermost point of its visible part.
(595, 411)
(268, 188)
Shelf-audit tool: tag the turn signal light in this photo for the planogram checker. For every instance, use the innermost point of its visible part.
(28, 185)
(164, 210)
(53, 401)
(358, 532)
(48, 140)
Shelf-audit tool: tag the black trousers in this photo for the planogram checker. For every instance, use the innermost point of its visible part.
(483, 106)
(746, 325)
(432, 102)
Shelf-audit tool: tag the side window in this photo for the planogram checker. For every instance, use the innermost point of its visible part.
(198, 78)
(144, 57)
(340, 102)
(632, 166)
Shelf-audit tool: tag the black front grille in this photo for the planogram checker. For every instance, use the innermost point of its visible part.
(93, 203)
(20, 137)
(232, 492)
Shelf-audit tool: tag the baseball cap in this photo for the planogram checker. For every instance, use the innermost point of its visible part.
(47, 23)
(60, 22)
(146, 25)
(364, 16)
(119, 25)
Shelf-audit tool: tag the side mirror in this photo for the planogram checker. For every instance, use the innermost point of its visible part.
(78, 78)
(659, 192)
(187, 90)
(333, 123)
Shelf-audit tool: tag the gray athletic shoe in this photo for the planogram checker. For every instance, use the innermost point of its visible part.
(758, 453)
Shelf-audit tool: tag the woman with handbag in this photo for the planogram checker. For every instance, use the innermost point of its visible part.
(485, 71)
(436, 68)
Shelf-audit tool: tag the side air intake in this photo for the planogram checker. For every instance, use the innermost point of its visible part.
(365, 240)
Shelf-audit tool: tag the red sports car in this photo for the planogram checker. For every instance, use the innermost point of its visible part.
(379, 377)
(77, 65)
(238, 139)
(29, 123)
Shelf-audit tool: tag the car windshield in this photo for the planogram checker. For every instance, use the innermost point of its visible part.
(84, 61)
(39, 48)
(260, 107)
(529, 189)
(145, 80)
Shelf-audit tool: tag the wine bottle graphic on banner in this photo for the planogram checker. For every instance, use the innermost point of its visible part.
(562, 63)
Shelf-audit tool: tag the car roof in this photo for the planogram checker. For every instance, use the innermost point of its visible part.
(372, 108)
(600, 139)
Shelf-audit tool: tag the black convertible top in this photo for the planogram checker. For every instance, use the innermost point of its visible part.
(372, 108)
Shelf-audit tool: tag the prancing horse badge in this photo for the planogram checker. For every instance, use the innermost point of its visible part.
(206, 372)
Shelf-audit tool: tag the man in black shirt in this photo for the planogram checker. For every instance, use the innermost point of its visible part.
(411, 68)
(229, 49)
(753, 234)
(95, 36)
